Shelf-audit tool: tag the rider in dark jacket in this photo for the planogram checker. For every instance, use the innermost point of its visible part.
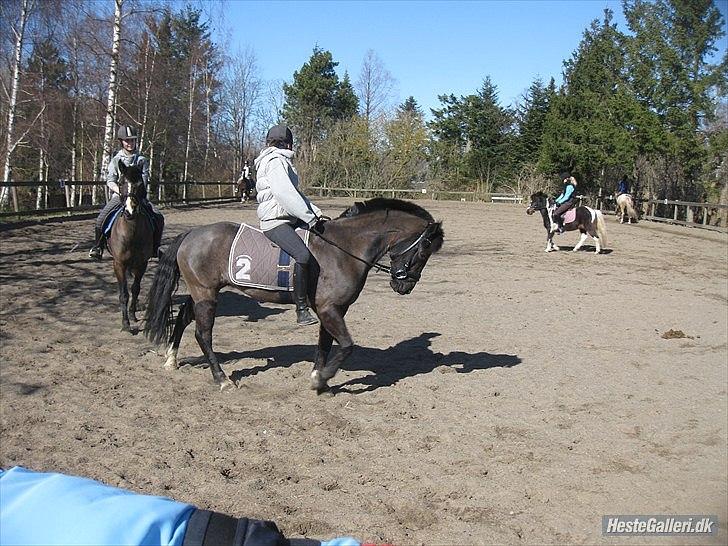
(623, 185)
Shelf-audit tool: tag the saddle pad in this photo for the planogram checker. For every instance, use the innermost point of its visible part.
(569, 216)
(110, 219)
(114, 215)
(256, 262)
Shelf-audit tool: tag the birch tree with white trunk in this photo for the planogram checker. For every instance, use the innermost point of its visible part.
(19, 32)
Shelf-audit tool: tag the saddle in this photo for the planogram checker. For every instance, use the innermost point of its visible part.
(256, 262)
(114, 216)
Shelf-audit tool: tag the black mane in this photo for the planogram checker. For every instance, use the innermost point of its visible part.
(381, 203)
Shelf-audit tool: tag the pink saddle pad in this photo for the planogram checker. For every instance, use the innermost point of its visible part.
(256, 262)
(569, 216)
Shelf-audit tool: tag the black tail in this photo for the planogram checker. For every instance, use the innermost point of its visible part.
(158, 326)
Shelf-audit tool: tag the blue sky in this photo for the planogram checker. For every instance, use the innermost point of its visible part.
(430, 47)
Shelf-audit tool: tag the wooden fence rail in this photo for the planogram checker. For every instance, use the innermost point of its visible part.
(59, 193)
(686, 213)
(416, 194)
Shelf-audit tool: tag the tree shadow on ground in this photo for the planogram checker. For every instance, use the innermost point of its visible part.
(408, 358)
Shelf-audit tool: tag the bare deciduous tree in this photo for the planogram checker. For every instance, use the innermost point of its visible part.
(374, 87)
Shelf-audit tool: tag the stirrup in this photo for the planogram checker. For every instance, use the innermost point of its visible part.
(304, 318)
(96, 253)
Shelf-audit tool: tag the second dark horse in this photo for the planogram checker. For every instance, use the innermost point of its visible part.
(131, 242)
(345, 251)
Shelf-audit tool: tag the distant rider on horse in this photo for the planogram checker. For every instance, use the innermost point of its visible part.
(623, 185)
(245, 183)
(282, 208)
(565, 201)
(130, 155)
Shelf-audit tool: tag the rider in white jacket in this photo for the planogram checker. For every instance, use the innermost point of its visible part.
(282, 207)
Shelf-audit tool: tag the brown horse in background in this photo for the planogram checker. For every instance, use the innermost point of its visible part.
(345, 249)
(131, 242)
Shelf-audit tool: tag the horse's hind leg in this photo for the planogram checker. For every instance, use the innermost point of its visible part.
(120, 272)
(204, 321)
(185, 315)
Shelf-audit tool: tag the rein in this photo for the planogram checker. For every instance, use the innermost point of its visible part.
(377, 266)
(374, 265)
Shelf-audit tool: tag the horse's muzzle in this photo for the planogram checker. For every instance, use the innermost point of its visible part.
(530, 211)
(402, 287)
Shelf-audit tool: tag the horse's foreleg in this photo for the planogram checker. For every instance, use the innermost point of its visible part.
(185, 315)
(332, 320)
(120, 272)
(204, 321)
(322, 355)
(135, 289)
(581, 241)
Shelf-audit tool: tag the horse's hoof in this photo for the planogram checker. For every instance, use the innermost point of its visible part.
(227, 384)
(318, 383)
(125, 328)
(171, 365)
(325, 392)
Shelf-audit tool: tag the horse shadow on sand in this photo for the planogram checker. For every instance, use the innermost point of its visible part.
(408, 358)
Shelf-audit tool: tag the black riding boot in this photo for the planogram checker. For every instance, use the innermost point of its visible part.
(300, 284)
(97, 251)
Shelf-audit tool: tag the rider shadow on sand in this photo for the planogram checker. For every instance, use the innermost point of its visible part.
(408, 358)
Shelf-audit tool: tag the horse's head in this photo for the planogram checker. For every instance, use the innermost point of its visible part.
(131, 188)
(409, 257)
(539, 201)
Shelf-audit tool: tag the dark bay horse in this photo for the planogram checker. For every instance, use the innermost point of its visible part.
(344, 251)
(588, 221)
(131, 241)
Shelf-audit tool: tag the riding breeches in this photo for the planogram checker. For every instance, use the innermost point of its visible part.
(285, 237)
(110, 206)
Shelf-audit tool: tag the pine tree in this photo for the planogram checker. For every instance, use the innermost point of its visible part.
(316, 99)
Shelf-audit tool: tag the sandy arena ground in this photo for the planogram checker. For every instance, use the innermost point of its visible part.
(514, 397)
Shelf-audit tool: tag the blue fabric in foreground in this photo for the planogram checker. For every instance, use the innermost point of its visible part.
(53, 509)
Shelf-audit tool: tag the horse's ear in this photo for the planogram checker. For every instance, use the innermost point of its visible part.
(122, 168)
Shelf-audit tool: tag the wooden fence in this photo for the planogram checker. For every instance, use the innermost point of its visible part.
(57, 200)
(442, 195)
(70, 198)
(684, 213)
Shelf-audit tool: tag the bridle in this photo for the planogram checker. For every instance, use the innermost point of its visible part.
(403, 273)
(399, 274)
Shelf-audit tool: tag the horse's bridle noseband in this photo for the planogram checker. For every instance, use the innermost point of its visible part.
(404, 273)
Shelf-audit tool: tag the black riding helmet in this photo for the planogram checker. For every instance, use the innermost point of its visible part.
(279, 133)
(126, 132)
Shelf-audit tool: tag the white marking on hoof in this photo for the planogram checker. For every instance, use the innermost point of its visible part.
(316, 381)
(227, 384)
(171, 362)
